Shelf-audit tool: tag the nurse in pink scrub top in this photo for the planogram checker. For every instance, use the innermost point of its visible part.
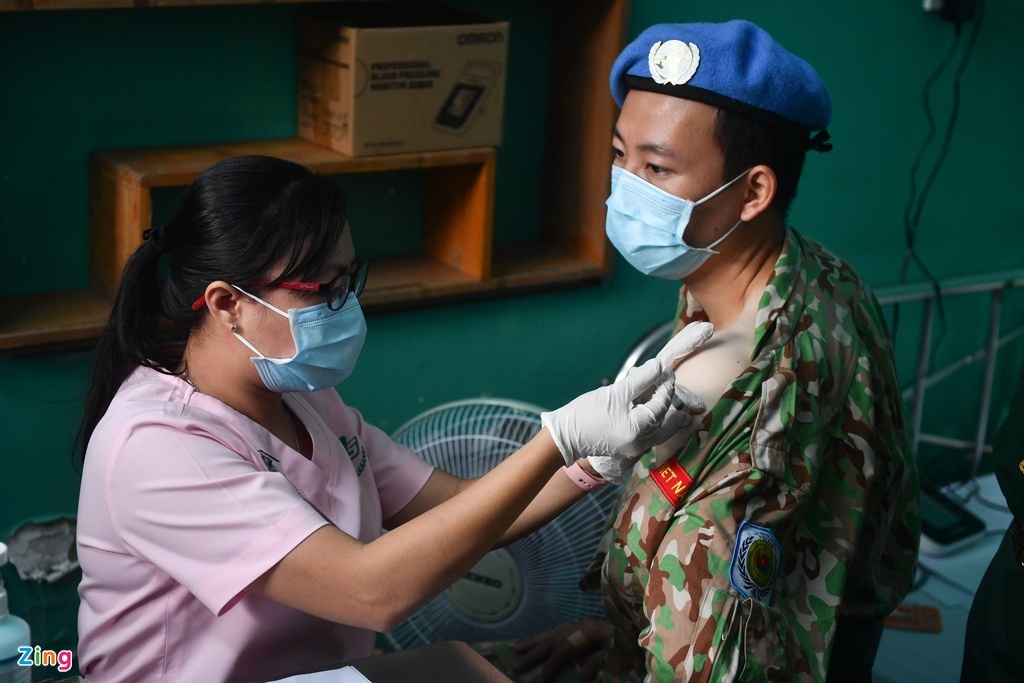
(232, 504)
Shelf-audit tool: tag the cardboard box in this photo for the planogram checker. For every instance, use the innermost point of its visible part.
(383, 77)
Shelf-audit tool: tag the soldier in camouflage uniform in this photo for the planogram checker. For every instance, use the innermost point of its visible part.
(801, 514)
(770, 542)
(774, 541)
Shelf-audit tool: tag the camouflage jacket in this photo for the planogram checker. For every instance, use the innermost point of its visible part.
(795, 501)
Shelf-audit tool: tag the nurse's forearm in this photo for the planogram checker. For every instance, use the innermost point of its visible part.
(377, 585)
(557, 496)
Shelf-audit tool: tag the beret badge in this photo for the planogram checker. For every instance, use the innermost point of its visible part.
(673, 62)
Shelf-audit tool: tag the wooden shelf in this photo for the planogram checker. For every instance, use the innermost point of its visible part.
(458, 212)
(458, 259)
(47, 318)
(24, 5)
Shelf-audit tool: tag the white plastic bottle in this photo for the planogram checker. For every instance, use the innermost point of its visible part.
(14, 634)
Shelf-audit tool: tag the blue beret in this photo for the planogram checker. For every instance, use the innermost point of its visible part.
(735, 65)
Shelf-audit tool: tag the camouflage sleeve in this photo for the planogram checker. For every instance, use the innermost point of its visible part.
(799, 515)
(874, 444)
(701, 628)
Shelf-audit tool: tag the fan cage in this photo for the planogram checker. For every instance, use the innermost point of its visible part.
(468, 439)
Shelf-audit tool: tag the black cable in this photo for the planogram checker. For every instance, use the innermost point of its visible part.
(909, 226)
(909, 223)
(912, 211)
(968, 51)
(910, 231)
(969, 490)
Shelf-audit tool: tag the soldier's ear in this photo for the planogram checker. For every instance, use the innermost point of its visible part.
(760, 186)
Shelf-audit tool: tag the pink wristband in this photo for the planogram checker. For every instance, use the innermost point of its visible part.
(585, 480)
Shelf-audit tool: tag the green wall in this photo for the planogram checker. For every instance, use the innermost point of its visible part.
(75, 81)
(876, 57)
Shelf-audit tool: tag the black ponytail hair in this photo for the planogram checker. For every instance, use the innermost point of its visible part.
(236, 221)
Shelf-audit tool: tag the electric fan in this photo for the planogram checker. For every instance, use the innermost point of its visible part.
(529, 585)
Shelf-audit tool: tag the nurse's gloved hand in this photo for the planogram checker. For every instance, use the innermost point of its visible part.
(685, 342)
(614, 425)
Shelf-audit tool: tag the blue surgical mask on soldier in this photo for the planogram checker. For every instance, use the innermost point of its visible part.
(327, 345)
(648, 225)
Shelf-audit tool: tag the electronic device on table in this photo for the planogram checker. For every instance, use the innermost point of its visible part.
(946, 525)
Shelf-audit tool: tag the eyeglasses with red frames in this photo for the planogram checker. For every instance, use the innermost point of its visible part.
(337, 290)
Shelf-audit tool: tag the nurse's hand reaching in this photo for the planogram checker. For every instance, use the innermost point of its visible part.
(613, 426)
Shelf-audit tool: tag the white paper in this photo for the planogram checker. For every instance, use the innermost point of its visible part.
(346, 674)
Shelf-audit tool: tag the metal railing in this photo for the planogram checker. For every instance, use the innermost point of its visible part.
(928, 295)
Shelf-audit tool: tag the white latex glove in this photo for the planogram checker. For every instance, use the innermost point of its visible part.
(613, 426)
(685, 342)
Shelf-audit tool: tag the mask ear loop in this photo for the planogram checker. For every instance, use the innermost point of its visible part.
(245, 341)
(722, 188)
(272, 307)
(250, 346)
(711, 247)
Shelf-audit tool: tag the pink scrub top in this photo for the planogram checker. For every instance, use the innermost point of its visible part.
(185, 502)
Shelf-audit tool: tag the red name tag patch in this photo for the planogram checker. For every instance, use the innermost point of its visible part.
(673, 481)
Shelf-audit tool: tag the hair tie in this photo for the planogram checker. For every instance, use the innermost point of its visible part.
(155, 236)
(820, 143)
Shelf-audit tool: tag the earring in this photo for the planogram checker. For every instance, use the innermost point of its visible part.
(233, 328)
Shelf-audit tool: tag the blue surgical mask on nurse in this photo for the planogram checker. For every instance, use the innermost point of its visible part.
(327, 345)
(648, 226)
